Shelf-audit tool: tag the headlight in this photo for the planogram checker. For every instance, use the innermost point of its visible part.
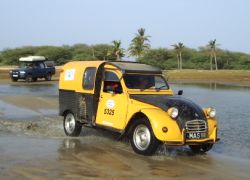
(173, 112)
(10, 72)
(211, 112)
(22, 72)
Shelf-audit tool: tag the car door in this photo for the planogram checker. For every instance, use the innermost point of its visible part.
(37, 71)
(113, 102)
(41, 69)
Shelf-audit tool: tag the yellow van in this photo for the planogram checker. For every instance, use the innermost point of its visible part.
(135, 100)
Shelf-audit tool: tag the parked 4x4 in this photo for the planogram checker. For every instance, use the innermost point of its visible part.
(33, 67)
(135, 100)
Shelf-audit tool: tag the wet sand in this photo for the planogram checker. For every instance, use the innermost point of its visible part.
(34, 147)
(91, 157)
(226, 77)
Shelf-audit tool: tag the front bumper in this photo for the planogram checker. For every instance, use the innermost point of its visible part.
(17, 75)
(212, 138)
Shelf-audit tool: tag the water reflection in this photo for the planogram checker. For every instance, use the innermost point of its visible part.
(102, 159)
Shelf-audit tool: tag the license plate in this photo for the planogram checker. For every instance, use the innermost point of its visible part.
(196, 135)
(14, 75)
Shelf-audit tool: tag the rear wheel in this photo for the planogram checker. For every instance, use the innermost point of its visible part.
(48, 77)
(142, 138)
(71, 126)
(201, 148)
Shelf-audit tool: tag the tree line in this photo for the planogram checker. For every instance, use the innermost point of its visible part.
(209, 56)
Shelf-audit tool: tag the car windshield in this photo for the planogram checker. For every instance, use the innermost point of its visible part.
(25, 65)
(138, 81)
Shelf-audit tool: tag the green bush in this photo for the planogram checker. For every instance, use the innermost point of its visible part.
(161, 57)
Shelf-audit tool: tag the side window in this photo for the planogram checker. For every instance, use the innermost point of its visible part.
(112, 83)
(89, 78)
(35, 65)
(160, 83)
(110, 76)
(41, 65)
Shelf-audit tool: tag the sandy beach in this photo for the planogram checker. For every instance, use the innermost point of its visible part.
(227, 77)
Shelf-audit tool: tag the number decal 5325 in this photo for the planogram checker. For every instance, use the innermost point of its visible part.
(109, 111)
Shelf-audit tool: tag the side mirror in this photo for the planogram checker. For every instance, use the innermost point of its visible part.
(180, 92)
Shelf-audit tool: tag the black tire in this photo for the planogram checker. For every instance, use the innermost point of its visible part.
(48, 77)
(142, 129)
(201, 148)
(28, 78)
(34, 79)
(14, 79)
(71, 126)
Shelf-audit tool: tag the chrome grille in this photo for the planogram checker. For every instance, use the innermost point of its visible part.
(196, 126)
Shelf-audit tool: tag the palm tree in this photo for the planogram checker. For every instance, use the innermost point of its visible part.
(93, 52)
(178, 48)
(139, 44)
(212, 45)
(117, 50)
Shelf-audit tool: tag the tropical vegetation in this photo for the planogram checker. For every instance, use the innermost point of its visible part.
(179, 48)
(212, 45)
(178, 56)
(139, 44)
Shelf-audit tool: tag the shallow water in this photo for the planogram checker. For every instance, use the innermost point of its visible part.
(29, 89)
(231, 103)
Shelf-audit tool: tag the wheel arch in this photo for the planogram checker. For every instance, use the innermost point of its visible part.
(135, 117)
(66, 112)
(158, 119)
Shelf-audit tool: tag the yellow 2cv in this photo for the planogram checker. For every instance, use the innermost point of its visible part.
(135, 100)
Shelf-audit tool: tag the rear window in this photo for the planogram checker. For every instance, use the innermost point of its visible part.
(89, 78)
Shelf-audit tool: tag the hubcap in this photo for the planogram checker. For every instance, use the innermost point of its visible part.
(141, 137)
(70, 123)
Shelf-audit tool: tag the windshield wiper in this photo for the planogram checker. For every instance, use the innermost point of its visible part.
(161, 87)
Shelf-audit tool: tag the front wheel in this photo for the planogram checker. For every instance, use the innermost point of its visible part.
(71, 126)
(142, 138)
(14, 79)
(201, 148)
(48, 77)
(28, 78)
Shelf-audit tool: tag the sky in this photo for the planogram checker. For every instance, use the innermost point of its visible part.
(68, 22)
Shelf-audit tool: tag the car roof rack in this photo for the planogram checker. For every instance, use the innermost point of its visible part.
(33, 58)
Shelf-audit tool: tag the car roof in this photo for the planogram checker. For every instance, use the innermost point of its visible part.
(124, 66)
(80, 64)
(134, 67)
